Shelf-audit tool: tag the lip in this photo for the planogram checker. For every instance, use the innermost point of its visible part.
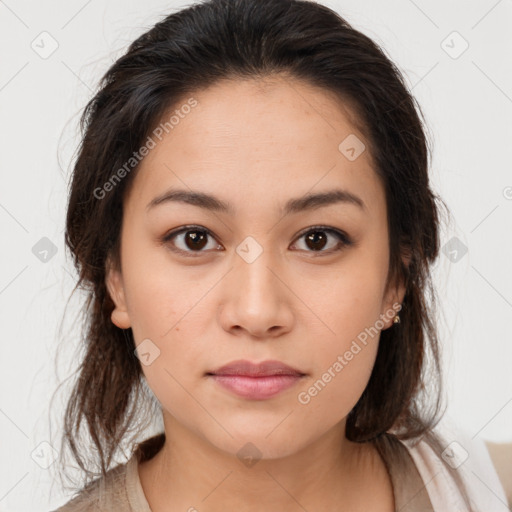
(256, 381)
(250, 369)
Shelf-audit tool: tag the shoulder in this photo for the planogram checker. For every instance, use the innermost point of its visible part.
(501, 456)
(462, 457)
(120, 489)
(105, 493)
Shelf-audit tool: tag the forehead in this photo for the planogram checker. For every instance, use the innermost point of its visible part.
(281, 112)
(280, 137)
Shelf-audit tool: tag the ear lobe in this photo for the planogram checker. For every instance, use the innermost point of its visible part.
(396, 294)
(115, 287)
(392, 305)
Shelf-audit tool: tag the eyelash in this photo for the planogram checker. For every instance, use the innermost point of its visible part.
(343, 238)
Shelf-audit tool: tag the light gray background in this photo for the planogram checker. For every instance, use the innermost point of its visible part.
(467, 101)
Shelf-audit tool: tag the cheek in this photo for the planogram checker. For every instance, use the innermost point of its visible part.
(346, 304)
(159, 295)
(168, 319)
(342, 368)
(348, 333)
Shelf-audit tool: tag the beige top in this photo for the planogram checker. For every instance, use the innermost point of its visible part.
(424, 484)
(121, 490)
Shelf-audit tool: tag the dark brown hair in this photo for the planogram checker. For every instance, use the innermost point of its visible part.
(253, 39)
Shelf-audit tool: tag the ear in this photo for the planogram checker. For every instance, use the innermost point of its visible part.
(115, 287)
(395, 296)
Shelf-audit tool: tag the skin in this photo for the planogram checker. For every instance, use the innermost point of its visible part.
(256, 145)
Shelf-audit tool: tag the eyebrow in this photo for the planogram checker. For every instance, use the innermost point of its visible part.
(299, 204)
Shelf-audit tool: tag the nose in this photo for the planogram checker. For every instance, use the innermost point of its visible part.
(256, 299)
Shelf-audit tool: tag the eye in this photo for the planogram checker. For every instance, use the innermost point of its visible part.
(194, 239)
(190, 238)
(317, 238)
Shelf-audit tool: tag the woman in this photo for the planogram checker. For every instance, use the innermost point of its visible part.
(250, 213)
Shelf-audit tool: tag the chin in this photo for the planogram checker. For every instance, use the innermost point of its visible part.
(255, 443)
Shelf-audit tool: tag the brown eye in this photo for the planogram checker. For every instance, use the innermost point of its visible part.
(195, 239)
(317, 238)
(190, 240)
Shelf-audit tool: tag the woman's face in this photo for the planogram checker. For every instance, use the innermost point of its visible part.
(266, 277)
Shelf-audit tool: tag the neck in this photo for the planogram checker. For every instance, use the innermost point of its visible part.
(189, 473)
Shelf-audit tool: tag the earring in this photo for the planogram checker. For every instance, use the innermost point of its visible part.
(396, 320)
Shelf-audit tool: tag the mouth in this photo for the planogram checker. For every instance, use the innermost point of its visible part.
(256, 381)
